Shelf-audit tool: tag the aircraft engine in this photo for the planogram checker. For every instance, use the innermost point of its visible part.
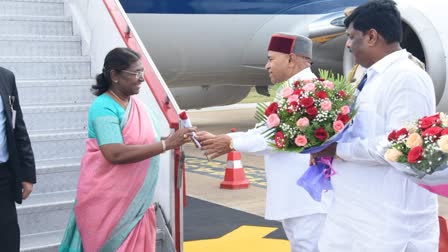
(204, 96)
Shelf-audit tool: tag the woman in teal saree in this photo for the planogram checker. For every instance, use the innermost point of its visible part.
(113, 209)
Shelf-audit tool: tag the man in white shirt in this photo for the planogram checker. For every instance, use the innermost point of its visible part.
(376, 208)
(289, 58)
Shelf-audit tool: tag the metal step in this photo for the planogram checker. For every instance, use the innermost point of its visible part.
(54, 117)
(30, 68)
(26, 45)
(57, 175)
(41, 242)
(53, 81)
(45, 212)
(53, 145)
(37, 92)
(35, 25)
(32, 7)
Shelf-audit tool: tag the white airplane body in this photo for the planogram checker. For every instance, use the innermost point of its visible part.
(211, 52)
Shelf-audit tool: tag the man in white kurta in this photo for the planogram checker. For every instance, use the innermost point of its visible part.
(375, 208)
(301, 216)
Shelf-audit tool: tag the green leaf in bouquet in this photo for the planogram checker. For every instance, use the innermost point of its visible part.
(259, 112)
(260, 117)
(403, 159)
(281, 85)
(441, 162)
(290, 148)
(340, 84)
(427, 166)
(278, 87)
(436, 161)
(324, 74)
(269, 134)
(329, 129)
(402, 148)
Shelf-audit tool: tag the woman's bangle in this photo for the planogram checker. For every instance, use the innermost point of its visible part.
(163, 145)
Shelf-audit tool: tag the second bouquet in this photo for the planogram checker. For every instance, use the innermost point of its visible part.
(419, 151)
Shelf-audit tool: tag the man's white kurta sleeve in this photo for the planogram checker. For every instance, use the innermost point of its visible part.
(360, 150)
(252, 141)
(405, 102)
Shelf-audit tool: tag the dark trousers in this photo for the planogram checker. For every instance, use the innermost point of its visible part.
(9, 227)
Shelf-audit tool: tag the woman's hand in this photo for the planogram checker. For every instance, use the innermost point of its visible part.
(179, 138)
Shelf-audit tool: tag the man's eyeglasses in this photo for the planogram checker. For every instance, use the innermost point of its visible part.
(138, 75)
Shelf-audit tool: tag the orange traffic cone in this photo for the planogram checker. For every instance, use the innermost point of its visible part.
(234, 177)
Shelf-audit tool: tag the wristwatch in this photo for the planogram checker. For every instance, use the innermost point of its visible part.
(231, 145)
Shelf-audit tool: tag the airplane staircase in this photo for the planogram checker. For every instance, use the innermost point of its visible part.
(53, 80)
(53, 77)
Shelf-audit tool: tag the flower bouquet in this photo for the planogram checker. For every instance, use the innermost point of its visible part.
(420, 152)
(306, 117)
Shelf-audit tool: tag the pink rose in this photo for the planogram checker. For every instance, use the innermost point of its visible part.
(309, 87)
(303, 122)
(287, 91)
(273, 120)
(307, 81)
(326, 105)
(328, 84)
(300, 140)
(338, 126)
(293, 98)
(345, 110)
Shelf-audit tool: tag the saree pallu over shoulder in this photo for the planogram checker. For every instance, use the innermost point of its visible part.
(113, 203)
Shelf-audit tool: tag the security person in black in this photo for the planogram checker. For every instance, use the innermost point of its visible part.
(17, 167)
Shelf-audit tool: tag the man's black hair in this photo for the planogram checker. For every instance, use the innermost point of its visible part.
(381, 15)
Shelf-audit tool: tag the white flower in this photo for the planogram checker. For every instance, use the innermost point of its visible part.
(411, 127)
(443, 143)
(414, 140)
(444, 119)
(393, 155)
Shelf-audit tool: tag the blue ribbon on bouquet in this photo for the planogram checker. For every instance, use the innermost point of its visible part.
(317, 178)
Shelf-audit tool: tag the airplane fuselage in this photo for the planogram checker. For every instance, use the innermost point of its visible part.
(210, 52)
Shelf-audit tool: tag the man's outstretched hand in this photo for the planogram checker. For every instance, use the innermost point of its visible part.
(214, 145)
